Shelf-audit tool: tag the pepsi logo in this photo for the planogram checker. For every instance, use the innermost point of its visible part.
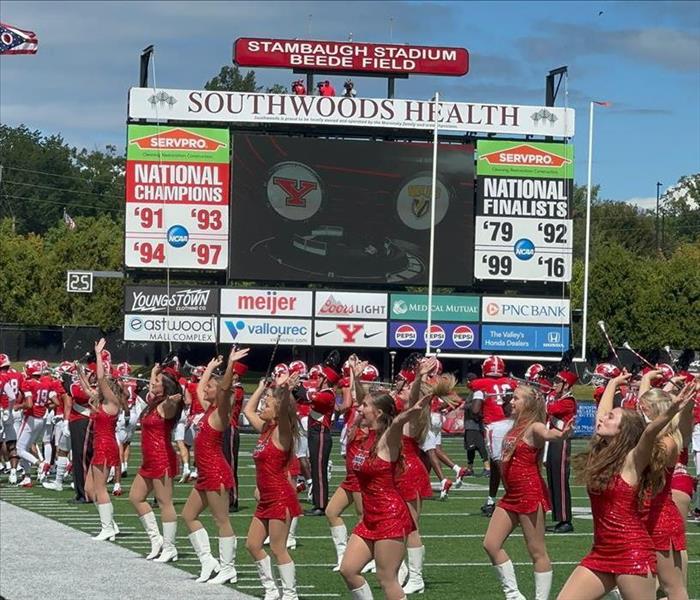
(437, 336)
(405, 335)
(463, 336)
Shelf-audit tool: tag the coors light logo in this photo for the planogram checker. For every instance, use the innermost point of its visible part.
(180, 301)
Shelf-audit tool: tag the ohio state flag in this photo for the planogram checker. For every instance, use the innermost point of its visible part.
(17, 41)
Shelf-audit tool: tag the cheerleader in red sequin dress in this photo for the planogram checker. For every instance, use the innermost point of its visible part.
(348, 492)
(616, 470)
(527, 498)
(105, 407)
(386, 520)
(664, 521)
(215, 477)
(278, 504)
(164, 404)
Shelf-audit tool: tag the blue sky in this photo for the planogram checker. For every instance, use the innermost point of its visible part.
(642, 56)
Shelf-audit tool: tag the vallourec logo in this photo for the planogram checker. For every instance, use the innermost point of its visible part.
(178, 236)
(524, 249)
(405, 336)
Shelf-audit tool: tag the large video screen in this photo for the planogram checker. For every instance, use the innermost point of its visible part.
(329, 210)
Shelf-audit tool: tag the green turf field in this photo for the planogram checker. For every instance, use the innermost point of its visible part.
(456, 566)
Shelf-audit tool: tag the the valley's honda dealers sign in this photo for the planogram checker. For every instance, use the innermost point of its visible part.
(161, 328)
(178, 300)
(266, 303)
(350, 56)
(340, 111)
(369, 334)
(351, 305)
(248, 330)
(545, 311)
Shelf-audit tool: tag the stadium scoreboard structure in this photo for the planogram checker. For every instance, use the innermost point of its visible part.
(287, 190)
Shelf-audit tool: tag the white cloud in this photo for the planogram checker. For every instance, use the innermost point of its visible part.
(643, 203)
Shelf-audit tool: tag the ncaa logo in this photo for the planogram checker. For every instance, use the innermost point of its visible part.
(136, 324)
(405, 336)
(463, 336)
(294, 191)
(524, 249)
(178, 236)
(437, 336)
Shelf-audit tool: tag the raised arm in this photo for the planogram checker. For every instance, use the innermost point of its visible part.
(606, 402)
(284, 414)
(206, 376)
(224, 393)
(685, 419)
(540, 433)
(356, 368)
(102, 383)
(641, 455)
(423, 367)
(647, 379)
(389, 446)
(250, 410)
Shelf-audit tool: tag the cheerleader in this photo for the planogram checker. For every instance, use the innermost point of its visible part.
(215, 477)
(277, 503)
(664, 521)
(413, 480)
(105, 407)
(617, 470)
(386, 520)
(158, 462)
(527, 498)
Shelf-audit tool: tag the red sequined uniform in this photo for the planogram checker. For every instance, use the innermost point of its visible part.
(525, 488)
(350, 483)
(158, 457)
(663, 520)
(212, 469)
(385, 513)
(682, 481)
(278, 499)
(621, 542)
(105, 451)
(413, 480)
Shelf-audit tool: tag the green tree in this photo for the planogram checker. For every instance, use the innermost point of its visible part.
(230, 79)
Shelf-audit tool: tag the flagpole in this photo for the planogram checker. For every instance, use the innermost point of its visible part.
(588, 235)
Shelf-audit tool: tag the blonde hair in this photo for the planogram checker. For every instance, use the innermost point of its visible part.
(533, 411)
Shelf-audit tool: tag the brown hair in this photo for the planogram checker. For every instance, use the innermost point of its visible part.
(605, 457)
(170, 388)
(533, 411)
(290, 414)
(386, 404)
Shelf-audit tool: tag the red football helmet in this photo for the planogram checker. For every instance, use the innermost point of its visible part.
(198, 372)
(369, 374)
(534, 372)
(299, 367)
(603, 373)
(315, 372)
(406, 375)
(568, 377)
(346, 369)
(65, 367)
(123, 369)
(32, 368)
(493, 366)
(667, 372)
(279, 369)
(4, 360)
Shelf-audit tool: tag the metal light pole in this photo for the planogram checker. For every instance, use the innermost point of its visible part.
(658, 197)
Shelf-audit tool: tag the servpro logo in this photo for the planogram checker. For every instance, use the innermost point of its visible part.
(525, 155)
(178, 139)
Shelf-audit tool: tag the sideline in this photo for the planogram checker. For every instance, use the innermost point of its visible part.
(82, 568)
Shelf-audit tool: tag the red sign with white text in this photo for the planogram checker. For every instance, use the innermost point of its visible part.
(317, 55)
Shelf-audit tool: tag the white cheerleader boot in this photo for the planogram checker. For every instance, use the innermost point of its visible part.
(403, 573)
(543, 585)
(509, 584)
(227, 556)
(415, 583)
(151, 526)
(169, 550)
(362, 593)
(339, 534)
(264, 567)
(106, 512)
(292, 536)
(200, 542)
(370, 567)
(289, 581)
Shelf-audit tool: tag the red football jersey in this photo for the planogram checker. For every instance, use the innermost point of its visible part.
(41, 391)
(80, 408)
(493, 392)
(196, 406)
(10, 384)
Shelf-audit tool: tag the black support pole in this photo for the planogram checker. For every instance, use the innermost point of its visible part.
(145, 59)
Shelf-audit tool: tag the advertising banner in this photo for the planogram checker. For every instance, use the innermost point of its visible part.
(519, 197)
(177, 197)
(350, 211)
(367, 334)
(545, 311)
(584, 426)
(322, 56)
(525, 159)
(514, 338)
(153, 328)
(192, 300)
(445, 336)
(409, 307)
(340, 111)
(266, 303)
(350, 305)
(249, 330)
